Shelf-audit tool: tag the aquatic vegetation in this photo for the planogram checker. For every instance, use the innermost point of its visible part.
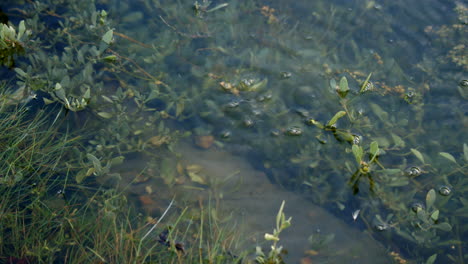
(319, 105)
(274, 256)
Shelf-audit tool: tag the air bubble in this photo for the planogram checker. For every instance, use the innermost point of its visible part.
(294, 131)
(445, 190)
(413, 171)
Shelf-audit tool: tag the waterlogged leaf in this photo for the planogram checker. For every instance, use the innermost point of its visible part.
(47, 101)
(20, 72)
(448, 156)
(431, 259)
(258, 85)
(117, 160)
(81, 175)
(391, 171)
(435, 215)
(444, 226)
(271, 237)
(333, 84)
(180, 108)
(21, 29)
(380, 113)
(399, 143)
(60, 92)
(87, 94)
(422, 215)
(105, 115)
(96, 162)
(280, 215)
(107, 38)
(430, 198)
(374, 149)
(465, 151)
(194, 177)
(357, 151)
(364, 85)
(335, 118)
(418, 154)
(343, 88)
(342, 135)
(398, 182)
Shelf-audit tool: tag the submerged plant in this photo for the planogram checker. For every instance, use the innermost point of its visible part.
(274, 256)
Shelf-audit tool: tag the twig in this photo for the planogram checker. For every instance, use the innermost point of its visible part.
(159, 220)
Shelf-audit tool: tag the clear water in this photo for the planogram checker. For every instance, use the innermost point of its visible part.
(249, 77)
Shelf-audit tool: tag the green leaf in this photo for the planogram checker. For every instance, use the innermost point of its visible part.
(96, 162)
(60, 92)
(398, 141)
(418, 154)
(180, 105)
(21, 29)
(196, 178)
(364, 85)
(344, 89)
(448, 156)
(380, 113)
(431, 259)
(20, 72)
(47, 101)
(444, 226)
(374, 149)
(107, 38)
(105, 115)
(357, 151)
(87, 94)
(465, 151)
(335, 118)
(430, 198)
(117, 160)
(332, 84)
(435, 215)
(80, 176)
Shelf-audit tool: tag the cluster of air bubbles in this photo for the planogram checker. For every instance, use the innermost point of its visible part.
(233, 104)
(357, 139)
(247, 122)
(413, 171)
(369, 87)
(294, 131)
(264, 97)
(464, 83)
(285, 75)
(381, 226)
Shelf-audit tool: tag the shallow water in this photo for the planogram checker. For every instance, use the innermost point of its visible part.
(253, 75)
(253, 201)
